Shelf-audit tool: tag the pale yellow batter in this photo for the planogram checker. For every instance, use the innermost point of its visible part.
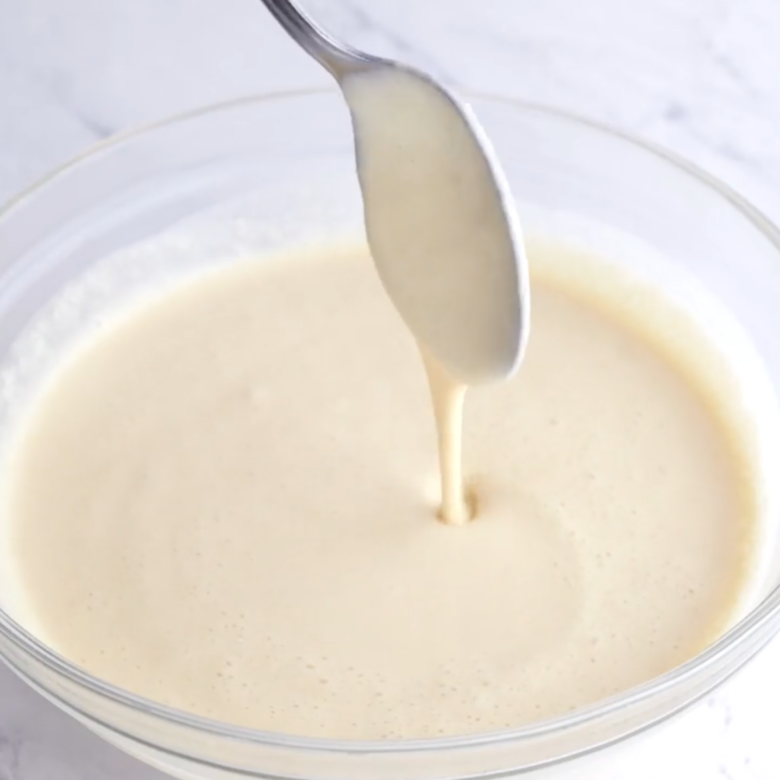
(227, 503)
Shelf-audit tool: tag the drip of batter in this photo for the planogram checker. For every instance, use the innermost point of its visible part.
(448, 395)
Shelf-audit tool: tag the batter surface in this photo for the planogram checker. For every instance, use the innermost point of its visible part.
(227, 502)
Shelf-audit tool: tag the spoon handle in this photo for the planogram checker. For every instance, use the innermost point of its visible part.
(336, 57)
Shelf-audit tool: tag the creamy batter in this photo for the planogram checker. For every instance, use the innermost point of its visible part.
(226, 503)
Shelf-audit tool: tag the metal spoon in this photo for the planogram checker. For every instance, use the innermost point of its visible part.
(478, 330)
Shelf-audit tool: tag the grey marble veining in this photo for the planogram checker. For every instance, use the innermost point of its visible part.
(701, 77)
(39, 742)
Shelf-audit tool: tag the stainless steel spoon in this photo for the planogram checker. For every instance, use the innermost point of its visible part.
(478, 331)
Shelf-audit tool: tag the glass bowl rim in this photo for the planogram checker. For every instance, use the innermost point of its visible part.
(767, 611)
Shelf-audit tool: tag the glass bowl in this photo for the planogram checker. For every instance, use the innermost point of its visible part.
(263, 172)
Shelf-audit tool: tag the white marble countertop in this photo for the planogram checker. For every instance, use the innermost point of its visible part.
(699, 76)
